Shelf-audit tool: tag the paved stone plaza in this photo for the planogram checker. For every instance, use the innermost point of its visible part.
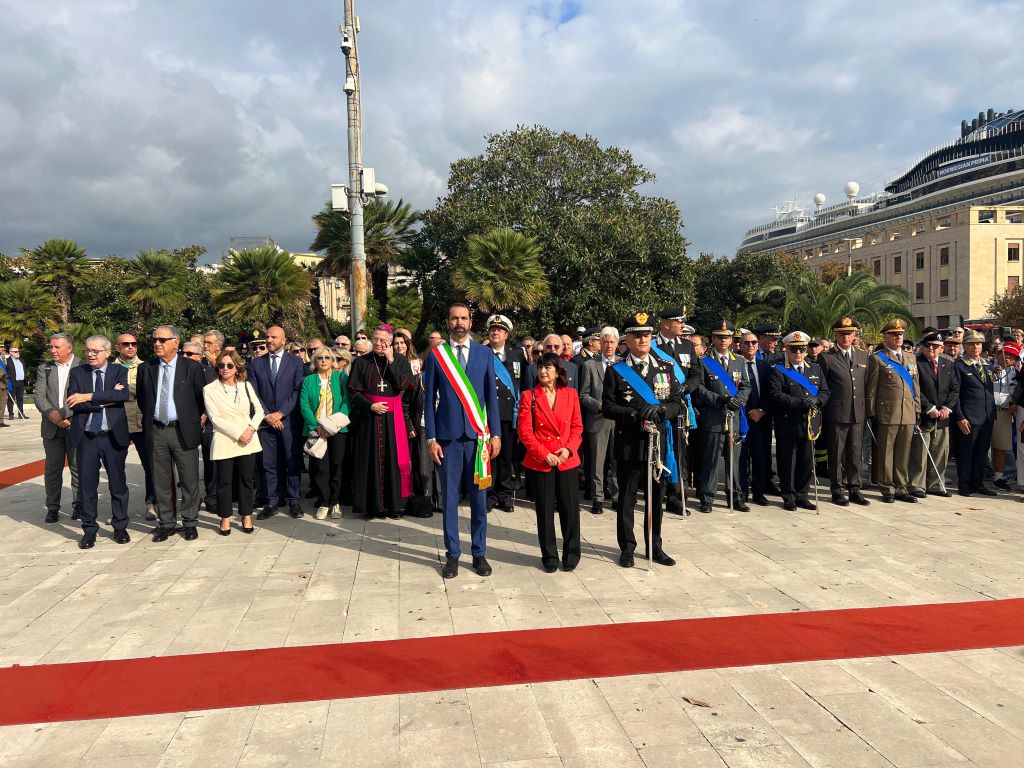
(296, 583)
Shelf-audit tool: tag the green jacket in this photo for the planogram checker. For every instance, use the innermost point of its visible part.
(309, 397)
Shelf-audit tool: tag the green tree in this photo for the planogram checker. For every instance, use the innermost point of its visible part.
(58, 263)
(812, 307)
(607, 249)
(262, 285)
(156, 283)
(388, 227)
(101, 300)
(26, 310)
(1008, 308)
(502, 269)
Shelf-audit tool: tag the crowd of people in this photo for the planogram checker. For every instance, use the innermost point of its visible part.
(649, 407)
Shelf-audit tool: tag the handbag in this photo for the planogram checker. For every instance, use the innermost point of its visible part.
(252, 407)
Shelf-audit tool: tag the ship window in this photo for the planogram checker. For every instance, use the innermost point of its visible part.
(1014, 217)
(1012, 283)
(878, 267)
(919, 291)
(943, 288)
(897, 264)
(944, 256)
(919, 260)
(1013, 252)
(986, 217)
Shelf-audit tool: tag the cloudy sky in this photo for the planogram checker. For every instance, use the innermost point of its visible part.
(131, 124)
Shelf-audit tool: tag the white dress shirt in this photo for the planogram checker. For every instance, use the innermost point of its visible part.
(63, 372)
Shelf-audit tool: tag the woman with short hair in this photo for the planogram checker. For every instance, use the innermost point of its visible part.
(324, 393)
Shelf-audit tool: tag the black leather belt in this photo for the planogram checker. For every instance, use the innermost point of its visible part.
(161, 425)
(97, 434)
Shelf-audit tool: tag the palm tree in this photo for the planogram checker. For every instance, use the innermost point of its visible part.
(26, 310)
(387, 232)
(157, 282)
(813, 308)
(261, 285)
(501, 270)
(58, 263)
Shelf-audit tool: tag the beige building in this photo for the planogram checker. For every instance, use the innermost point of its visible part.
(334, 293)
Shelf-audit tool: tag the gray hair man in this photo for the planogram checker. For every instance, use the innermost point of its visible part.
(599, 464)
(51, 390)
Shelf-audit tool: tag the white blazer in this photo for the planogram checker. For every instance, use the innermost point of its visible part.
(231, 419)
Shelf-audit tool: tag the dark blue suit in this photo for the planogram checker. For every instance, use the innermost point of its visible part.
(448, 423)
(94, 447)
(977, 404)
(280, 394)
(756, 449)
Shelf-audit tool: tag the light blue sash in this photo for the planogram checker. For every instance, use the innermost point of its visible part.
(799, 378)
(643, 389)
(900, 370)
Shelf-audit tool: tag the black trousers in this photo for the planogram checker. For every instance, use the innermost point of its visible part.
(91, 453)
(845, 445)
(972, 455)
(240, 470)
(209, 469)
(756, 459)
(557, 491)
(16, 399)
(795, 456)
(325, 474)
(504, 469)
(139, 441)
(633, 474)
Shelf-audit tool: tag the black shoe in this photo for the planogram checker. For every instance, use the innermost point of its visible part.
(986, 492)
(662, 559)
(506, 506)
(761, 501)
(550, 568)
(267, 511)
(482, 567)
(840, 501)
(451, 568)
(223, 532)
(919, 494)
(705, 507)
(626, 560)
(940, 492)
(190, 534)
(88, 541)
(857, 498)
(52, 516)
(964, 492)
(887, 498)
(76, 514)
(281, 503)
(295, 511)
(789, 506)
(121, 537)
(597, 508)
(773, 489)
(161, 534)
(804, 504)
(250, 529)
(905, 497)
(741, 506)
(1002, 485)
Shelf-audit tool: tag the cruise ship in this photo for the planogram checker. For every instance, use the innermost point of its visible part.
(950, 228)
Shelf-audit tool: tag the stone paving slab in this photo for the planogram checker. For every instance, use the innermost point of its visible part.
(304, 582)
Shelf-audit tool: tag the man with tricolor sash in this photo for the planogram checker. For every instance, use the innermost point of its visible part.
(638, 390)
(721, 421)
(894, 406)
(462, 423)
(798, 392)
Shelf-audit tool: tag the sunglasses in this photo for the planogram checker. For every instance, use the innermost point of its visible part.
(227, 366)
(344, 345)
(191, 354)
(360, 338)
(311, 350)
(163, 339)
(749, 343)
(127, 343)
(258, 347)
(297, 352)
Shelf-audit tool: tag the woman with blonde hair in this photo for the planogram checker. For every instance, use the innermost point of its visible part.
(235, 412)
(325, 393)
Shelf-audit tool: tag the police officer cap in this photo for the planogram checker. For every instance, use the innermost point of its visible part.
(723, 328)
(796, 339)
(500, 321)
(847, 323)
(257, 336)
(973, 336)
(638, 322)
(894, 326)
(814, 343)
(674, 313)
(594, 330)
(688, 330)
(931, 338)
(768, 330)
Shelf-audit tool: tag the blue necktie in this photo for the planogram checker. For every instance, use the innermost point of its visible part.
(273, 367)
(96, 421)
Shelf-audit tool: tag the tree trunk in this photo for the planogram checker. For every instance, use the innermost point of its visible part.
(62, 293)
(317, 306)
(379, 283)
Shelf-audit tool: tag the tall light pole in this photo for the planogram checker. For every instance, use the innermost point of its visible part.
(357, 291)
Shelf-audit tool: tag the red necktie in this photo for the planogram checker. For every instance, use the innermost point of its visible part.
(935, 368)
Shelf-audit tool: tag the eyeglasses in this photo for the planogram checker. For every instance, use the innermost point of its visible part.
(163, 339)
(127, 343)
(750, 343)
(297, 352)
(191, 354)
(344, 345)
(225, 366)
(323, 357)
(258, 347)
(95, 351)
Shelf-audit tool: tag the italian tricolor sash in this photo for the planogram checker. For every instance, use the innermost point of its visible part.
(457, 377)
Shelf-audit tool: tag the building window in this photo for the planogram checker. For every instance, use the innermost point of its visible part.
(897, 264)
(895, 236)
(944, 256)
(919, 260)
(942, 321)
(986, 217)
(1013, 251)
(878, 267)
(919, 291)
(1014, 217)
(1012, 283)
(944, 223)
(943, 289)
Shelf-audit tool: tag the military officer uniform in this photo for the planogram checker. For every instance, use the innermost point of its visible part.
(894, 404)
(797, 413)
(513, 360)
(766, 333)
(976, 406)
(844, 415)
(940, 390)
(717, 416)
(629, 410)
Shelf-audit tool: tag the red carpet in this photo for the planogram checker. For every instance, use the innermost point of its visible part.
(103, 689)
(15, 475)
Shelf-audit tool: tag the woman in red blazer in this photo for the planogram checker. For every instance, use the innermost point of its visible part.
(551, 430)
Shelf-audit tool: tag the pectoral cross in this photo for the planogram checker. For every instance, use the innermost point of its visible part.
(381, 386)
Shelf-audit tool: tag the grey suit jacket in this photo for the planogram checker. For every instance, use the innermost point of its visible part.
(48, 398)
(591, 393)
